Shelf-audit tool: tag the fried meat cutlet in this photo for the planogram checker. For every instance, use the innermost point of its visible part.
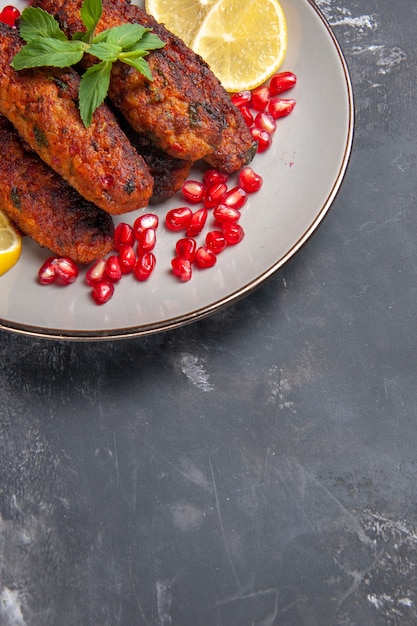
(184, 109)
(168, 173)
(98, 161)
(46, 207)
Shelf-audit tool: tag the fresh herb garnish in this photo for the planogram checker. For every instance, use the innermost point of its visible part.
(47, 45)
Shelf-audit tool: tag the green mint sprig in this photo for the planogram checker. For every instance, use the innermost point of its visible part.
(47, 45)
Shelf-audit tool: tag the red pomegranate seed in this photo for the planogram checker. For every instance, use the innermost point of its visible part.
(123, 235)
(147, 220)
(205, 258)
(186, 248)
(47, 273)
(144, 266)
(102, 291)
(260, 97)
(181, 268)
(127, 258)
(113, 269)
(178, 219)
(9, 15)
(96, 272)
(233, 233)
(241, 98)
(223, 213)
(146, 240)
(263, 139)
(235, 198)
(212, 177)
(249, 180)
(107, 181)
(282, 82)
(266, 122)
(279, 107)
(66, 270)
(197, 222)
(193, 191)
(247, 115)
(215, 241)
(215, 194)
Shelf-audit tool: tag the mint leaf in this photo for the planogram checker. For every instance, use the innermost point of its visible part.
(125, 35)
(91, 11)
(139, 63)
(105, 51)
(93, 89)
(150, 41)
(36, 23)
(48, 52)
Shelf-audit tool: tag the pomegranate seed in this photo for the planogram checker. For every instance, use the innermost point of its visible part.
(278, 107)
(260, 97)
(266, 122)
(144, 266)
(47, 273)
(146, 240)
(123, 235)
(178, 219)
(215, 241)
(205, 258)
(107, 181)
(282, 82)
(181, 268)
(233, 233)
(197, 222)
(223, 213)
(193, 191)
(102, 291)
(9, 15)
(66, 270)
(263, 138)
(235, 198)
(249, 180)
(127, 258)
(212, 177)
(215, 195)
(247, 115)
(147, 220)
(242, 98)
(96, 272)
(113, 269)
(186, 248)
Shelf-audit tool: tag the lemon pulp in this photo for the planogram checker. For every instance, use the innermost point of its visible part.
(10, 244)
(181, 17)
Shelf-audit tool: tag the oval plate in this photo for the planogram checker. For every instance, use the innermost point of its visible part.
(302, 173)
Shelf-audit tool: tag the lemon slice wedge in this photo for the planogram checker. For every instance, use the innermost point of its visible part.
(244, 44)
(10, 244)
(181, 17)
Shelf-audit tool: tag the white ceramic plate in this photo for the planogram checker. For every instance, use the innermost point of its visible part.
(302, 173)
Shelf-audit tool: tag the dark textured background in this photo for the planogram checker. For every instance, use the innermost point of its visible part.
(257, 468)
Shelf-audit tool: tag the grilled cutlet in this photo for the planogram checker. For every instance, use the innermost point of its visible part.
(98, 161)
(184, 110)
(46, 207)
(168, 172)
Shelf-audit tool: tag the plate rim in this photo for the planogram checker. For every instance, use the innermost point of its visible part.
(202, 312)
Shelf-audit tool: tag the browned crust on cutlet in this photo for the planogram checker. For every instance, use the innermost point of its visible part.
(47, 208)
(98, 161)
(168, 172)
(185, 110)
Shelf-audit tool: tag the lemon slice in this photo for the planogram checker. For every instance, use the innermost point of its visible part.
(243, 43)
(10, 244)
(181, 17)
